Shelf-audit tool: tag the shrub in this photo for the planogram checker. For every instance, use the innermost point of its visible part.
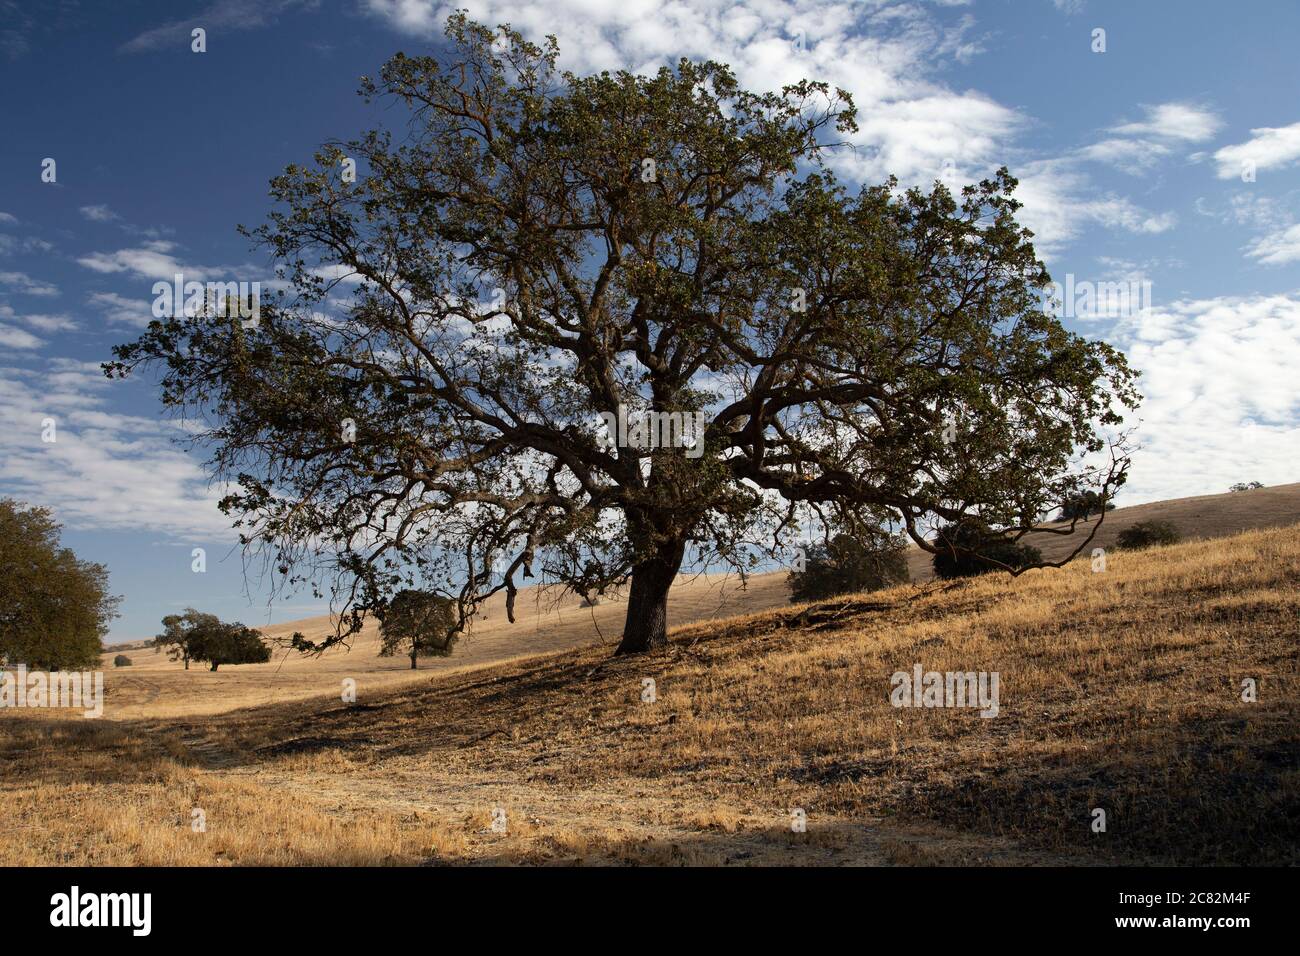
(969, 548)
(1148, 534)
(121, 661)
(849, 564)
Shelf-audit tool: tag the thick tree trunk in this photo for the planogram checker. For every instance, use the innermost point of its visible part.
(646, 627)
(413, 667)
(213, 667)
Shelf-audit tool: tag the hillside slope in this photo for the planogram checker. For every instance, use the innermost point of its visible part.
(155, 686)
(1120, 691)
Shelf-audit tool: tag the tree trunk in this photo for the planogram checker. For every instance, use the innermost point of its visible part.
(413, 659)
(213, 667)
(646, 627)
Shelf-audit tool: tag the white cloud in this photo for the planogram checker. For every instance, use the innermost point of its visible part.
(1221, 404)
(40, 321)
(1267, 148)
(1277, 248)
(12, 338)
(886, 55)
(120, 310)
(1174, 121)
(105, 470)
(8, 218)
(21, 282)
(1137, 147)
(1061, 202)
(99, 213)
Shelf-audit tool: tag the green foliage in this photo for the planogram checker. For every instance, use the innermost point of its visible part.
(419, 624)
(196, 636)
(121, 660)
(1148, 534)
(848, 564)
(54, 608)
(1083, 506)
(971, 548)
(826, 332)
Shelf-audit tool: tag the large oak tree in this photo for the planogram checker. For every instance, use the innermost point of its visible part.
(528, 249)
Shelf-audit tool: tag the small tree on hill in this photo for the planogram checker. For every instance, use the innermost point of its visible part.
(1148, 534)
(231, 643)
(970, 548)
(195, 636)
(847, 564)
(420, 624)
(54, 608)
(181, 633)
(121, 661)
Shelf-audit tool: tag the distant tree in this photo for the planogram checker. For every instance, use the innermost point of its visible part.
(1083, 506)
(1246, 486)
(1147, 534)
(182, 632)
(538, 250)
(231, 643)
(196, 636)
(54, 608)
(848, 564)
(121, 661)
(419, 624)
(971, 548)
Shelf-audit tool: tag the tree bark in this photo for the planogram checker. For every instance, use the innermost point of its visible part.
(413, 659)
(646, 626)
(213, 667)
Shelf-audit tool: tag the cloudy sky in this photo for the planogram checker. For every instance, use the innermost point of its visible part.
(1157, 145)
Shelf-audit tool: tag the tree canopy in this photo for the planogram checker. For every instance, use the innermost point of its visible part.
(54, 607)
(532, 252)
(418, 623)
(197, 636)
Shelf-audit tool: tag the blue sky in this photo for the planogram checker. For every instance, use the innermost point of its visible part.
(1131, 162)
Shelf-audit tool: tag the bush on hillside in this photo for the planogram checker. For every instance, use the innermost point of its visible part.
(1148, 534)
(849, 564)
(121, 661)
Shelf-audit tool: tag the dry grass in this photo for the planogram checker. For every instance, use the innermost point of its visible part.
(1119, 690)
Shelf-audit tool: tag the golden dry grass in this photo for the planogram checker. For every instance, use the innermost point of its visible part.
(1119, 690)
(154, 686)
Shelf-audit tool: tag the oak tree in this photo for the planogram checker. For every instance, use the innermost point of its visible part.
(528, 253)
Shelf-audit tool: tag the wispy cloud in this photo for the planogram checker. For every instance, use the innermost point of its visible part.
(1267, 148)
(1221, 406)
(99, 213)
(224, 15)
(1277, 248)
(104, 469)
(21, 282)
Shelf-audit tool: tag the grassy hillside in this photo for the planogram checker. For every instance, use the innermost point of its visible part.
(1119, 691)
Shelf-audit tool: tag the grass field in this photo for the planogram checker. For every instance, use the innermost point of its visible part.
(1120, 691)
